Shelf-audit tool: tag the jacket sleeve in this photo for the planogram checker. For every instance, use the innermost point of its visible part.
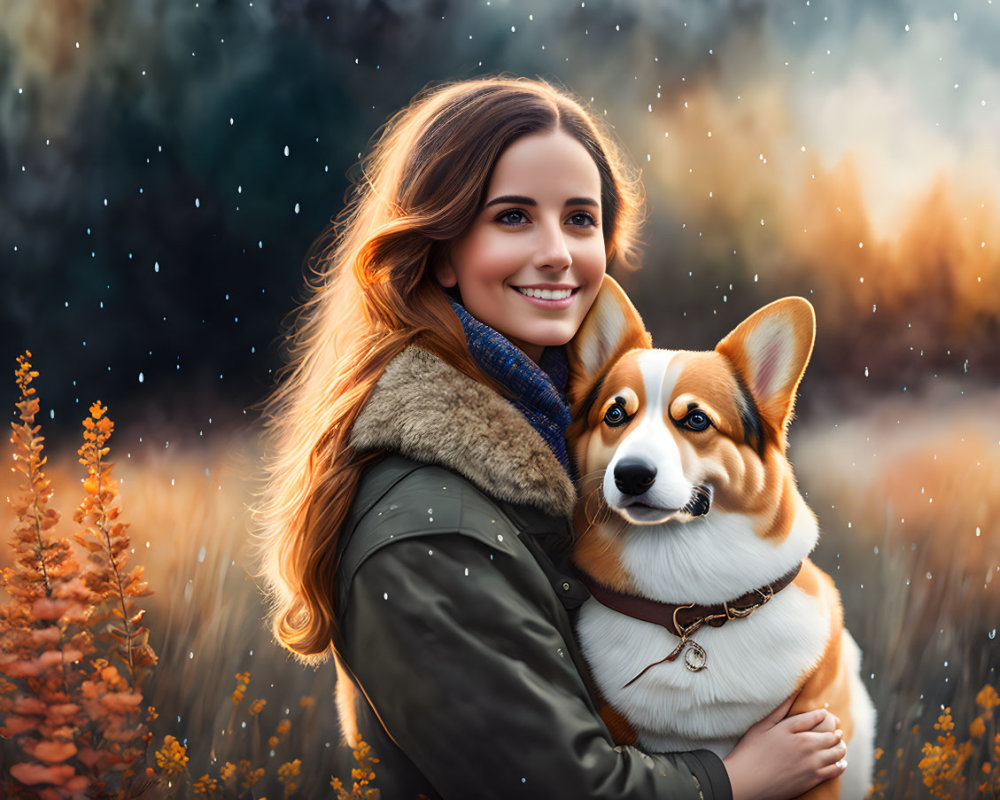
(474, 682)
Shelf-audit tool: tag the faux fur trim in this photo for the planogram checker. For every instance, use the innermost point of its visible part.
(427, 410)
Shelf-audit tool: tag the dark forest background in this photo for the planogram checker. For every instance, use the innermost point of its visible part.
(165, 167)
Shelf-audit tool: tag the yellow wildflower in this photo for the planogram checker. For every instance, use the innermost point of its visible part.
(257, 706)
(284, 726)
(172, 757)
(205, 785)
(290, 769)
(978, 727)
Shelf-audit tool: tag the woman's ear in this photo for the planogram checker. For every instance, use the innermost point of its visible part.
(444, 272)
(611, 327)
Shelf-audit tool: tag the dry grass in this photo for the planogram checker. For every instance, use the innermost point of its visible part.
(907, 495)
(190, 523)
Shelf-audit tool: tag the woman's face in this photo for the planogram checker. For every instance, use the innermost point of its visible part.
(532, 262)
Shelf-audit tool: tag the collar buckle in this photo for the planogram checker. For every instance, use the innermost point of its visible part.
(740, 613)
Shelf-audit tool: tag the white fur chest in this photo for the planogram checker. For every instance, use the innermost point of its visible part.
(753, 664)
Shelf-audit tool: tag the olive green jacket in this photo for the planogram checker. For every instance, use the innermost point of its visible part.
(456, 630)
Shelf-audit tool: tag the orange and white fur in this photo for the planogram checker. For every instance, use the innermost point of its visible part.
(716, 514)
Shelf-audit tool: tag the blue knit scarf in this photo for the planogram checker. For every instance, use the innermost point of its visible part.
(538, 391)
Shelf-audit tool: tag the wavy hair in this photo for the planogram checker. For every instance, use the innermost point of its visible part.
(373, 293)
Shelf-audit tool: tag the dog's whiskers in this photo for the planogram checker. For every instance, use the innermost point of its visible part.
(596, 511)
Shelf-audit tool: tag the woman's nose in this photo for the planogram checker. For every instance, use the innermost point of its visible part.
(552, 251)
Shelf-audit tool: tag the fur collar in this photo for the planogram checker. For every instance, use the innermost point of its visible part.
(427, 410)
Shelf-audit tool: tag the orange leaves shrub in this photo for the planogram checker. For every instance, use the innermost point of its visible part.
(43, 631)
(74, 719)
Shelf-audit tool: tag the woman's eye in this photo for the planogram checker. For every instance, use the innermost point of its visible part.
(616, 416)
(696, 421)
(581, 219)
(512, 217)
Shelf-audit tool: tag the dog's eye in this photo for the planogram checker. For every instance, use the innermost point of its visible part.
(616, 416)
(696, 421)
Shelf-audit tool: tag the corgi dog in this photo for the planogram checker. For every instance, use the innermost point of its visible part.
(705, 611)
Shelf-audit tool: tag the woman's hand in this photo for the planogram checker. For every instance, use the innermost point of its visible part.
(779, 758)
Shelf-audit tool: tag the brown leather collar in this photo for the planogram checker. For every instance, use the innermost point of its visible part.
(682, 620)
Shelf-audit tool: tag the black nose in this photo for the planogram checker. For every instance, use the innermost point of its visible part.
(634, 476)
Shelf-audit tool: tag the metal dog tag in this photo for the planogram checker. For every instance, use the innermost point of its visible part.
(695, 657)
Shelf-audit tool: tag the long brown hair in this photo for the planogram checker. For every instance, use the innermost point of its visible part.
(373, 293)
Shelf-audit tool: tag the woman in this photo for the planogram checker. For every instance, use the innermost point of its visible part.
(421, 485)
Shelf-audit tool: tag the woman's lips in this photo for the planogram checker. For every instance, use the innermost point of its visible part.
(547, 297)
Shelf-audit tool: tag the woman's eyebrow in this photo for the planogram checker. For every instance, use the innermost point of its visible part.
(515, 199)
(523, 200)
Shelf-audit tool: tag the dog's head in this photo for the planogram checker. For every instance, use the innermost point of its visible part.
(670, 435)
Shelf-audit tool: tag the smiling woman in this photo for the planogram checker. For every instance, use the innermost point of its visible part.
(421, 493)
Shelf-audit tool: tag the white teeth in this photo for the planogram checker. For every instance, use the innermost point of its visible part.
(546, 294)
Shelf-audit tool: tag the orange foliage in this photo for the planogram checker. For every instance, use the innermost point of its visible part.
(107, 544)
(73, 718)
(43, 635)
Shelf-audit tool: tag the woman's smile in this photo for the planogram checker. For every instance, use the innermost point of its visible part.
(548, 296)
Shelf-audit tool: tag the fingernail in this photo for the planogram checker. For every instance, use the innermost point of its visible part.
(842, 764)
(839, 733)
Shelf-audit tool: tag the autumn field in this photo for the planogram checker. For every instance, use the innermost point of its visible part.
(908, 499)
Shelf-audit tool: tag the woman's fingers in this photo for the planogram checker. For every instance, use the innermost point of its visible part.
(835, 754)
(826, 741)
(810, 720)
(830, 722)
(831, 772)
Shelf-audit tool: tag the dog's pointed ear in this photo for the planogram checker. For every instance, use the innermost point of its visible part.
(611, 327)
(770, 350)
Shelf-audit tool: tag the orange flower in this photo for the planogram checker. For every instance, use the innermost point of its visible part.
(988, 697)
(248, 775)
(290, 768)
(944, 721)
(172, 757)
(242, 682)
